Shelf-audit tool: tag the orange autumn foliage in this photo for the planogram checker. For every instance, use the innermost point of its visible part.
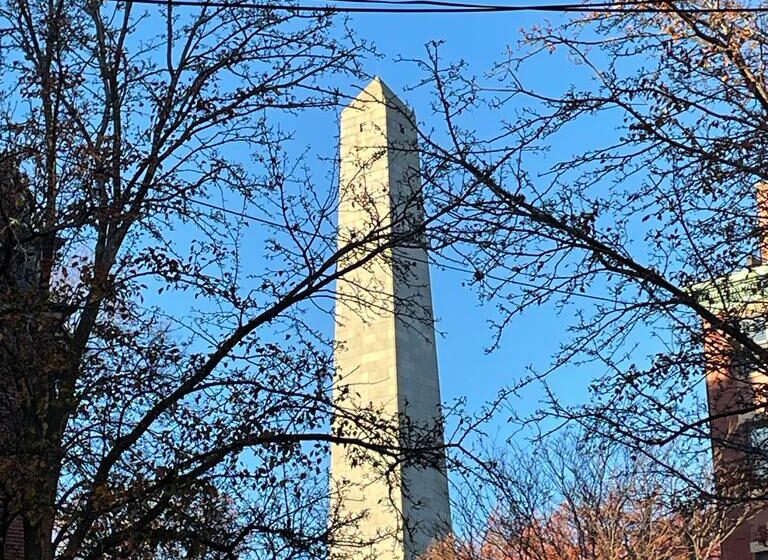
(618, 529)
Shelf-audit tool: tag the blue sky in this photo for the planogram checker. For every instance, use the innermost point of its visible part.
(467, 371)
(479, 39)
(530, 339)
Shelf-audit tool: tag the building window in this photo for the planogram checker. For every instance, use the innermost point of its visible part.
(402, 128)
(362, 126)
(761, 556)
(742, 362)
(758, 443)
(761, 337)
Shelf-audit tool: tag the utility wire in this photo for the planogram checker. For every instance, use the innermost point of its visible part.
(445, 7)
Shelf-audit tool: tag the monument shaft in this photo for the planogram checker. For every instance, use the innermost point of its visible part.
(386, 358)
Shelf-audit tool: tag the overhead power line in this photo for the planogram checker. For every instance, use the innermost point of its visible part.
(446, 7)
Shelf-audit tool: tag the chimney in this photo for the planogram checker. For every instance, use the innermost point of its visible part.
(762, 219)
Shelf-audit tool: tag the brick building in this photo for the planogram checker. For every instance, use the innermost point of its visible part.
(14, 541)
(737, 388)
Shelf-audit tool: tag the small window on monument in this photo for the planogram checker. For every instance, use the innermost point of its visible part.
(362, 126)
(402, 128)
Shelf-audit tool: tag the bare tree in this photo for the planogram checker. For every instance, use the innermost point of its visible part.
(165, 384)
(570, 497)
(644, 232)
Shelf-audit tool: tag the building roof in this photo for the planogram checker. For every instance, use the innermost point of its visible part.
(738, 294)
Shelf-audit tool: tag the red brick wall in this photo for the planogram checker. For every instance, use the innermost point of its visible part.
(726, 390)
(736, 546)
(14, 541)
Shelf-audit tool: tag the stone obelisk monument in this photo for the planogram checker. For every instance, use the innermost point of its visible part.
(386, 361)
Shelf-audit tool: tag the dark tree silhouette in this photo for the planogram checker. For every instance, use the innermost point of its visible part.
(165, 386)
(643, 225)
